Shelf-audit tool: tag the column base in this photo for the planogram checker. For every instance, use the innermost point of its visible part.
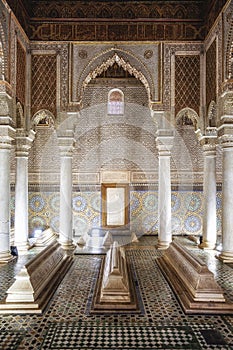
(162, 245)
(68, 246)
(207, 246)
(6, 257)
(22, 247)
(226, 257)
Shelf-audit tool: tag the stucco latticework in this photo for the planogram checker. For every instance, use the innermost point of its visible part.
(211, 74)
(125, 60)
(44, 77)
(187, 82)
(21, 74)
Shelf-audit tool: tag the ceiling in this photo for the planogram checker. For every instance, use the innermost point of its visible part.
(141, 19)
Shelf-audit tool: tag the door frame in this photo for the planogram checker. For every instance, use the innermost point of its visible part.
(104, 187)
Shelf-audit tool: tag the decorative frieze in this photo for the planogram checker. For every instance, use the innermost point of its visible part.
(118, 31)
(115, 176)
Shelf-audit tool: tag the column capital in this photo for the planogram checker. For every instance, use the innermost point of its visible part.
(164, 141)
(5, 102)
(225, 134)
(7, 133)
(24, 141)
(66, 143)
(209, 142)
(225, 105)
(227, 87)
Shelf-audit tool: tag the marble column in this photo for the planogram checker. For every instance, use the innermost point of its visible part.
(66, 154)
(23, 145)
(227, 197)
(6, 137)
(209, 236)
(164, 144)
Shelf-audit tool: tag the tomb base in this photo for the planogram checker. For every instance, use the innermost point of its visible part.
(115, 290)
(192, 282)
(37, 281)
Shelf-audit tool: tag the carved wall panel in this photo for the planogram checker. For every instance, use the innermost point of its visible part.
(108, 9)
(170, 51)
(91, 21)
(44, 154)
(211, 74)
(89, 61)
(21, 74)
(100, 31)
(98, 148)
(44, 82)
(97, 93)
(187, 82)
(20, 12)
(213, 10)
(4, 43)
(228, 45)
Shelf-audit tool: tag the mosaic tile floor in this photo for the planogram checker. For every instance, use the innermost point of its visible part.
(68, 324)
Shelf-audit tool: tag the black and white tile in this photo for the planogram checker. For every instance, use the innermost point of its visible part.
(68, 324)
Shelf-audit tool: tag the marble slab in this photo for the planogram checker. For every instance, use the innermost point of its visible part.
(193, 283)
(37, 281)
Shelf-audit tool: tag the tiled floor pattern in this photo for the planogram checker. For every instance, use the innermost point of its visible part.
(162, 324)
(110, 336)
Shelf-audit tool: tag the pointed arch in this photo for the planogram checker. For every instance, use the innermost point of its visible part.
(43, 117)
(212, 114)
(129, 11)
(20, 124)
(117, 11)
(123, 59)
(167, 11)
(190, 114)
(180, 11)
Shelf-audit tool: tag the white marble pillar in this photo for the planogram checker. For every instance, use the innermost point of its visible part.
(23, 144)
(209, 236)
(6, 137)
(227, 202)
(164, 144)
(66, 154)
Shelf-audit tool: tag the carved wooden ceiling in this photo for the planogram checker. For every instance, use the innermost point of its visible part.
(118, 20)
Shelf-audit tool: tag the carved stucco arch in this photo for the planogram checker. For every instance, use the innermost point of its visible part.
(212, 114)
(41, 115)
(19, 116)
(191, 114)
(124, 59)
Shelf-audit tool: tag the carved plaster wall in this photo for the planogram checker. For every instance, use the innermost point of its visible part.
(228, 50)
(88, 61)
(4, 43)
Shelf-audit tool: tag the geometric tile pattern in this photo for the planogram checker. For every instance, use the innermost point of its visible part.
(110, 336)
(163, 322)
(10, 340)
(186, 206)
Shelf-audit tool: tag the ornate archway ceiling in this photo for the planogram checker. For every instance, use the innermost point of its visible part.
(117, 20)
